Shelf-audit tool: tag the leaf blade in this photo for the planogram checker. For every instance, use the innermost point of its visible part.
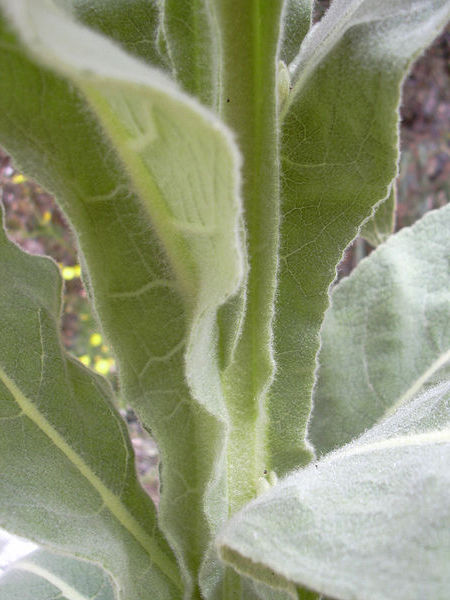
(297, 17)
(43, 575)
(356, 523)
(53, 465)
(339, 157)
(192, 39)
(378, 332)
(134, 25)
(110, 500)
(157, 313)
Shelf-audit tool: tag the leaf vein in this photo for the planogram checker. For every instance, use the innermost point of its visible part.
(113, 503)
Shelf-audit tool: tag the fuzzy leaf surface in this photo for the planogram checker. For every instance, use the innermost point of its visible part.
(296, 22)
(371, 520)
(154, 197)
(248, 104)
(386, 334)
(193, 45)
(339, 155)
(133, 24)
(68, 473)
(46, 576)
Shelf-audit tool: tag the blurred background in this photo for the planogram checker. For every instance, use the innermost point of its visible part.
(35, 223)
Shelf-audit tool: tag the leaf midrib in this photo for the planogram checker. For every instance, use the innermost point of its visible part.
(440, 436)
(110, 500)
(66, 589)
(418, 383)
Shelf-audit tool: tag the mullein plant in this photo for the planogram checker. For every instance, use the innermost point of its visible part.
(214, 159)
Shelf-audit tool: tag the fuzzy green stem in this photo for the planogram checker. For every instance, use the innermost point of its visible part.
(250, 31)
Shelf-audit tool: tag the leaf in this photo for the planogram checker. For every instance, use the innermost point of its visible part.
(386, 333)
(156, 207)
(297, 16)
(68, 474)
(296, 21)
(44, 576)
(193, 43)
(134, 24)
(339, 157)
(381, 225)
(371, 520)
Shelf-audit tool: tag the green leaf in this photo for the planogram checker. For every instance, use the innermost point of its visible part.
(68, 474)
(297, 15)
(339, 157)
(296, 21)
(134, 24)
(46, 576)
(386, 334)
(193, 44)
(155, 202)
(381, 225)
(371, 520)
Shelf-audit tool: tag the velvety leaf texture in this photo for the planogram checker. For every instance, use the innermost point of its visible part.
(339, 153)
(297, 17)
(68, 475)
(46, 576)
(153, 229)
(370, 357)
(369, 521)
(133, 24)
(193, 45)
(214, 159)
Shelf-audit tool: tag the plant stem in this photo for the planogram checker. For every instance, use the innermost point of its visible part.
(250, 31)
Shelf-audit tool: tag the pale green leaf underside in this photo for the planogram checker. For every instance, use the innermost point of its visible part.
(68, 475)
(153, 228)
(46, 576)
(339, 156)
(371, 520)
(386, 334)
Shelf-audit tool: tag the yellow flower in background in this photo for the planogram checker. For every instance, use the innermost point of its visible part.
(103, 365)
(46, 217)
(85, 359)
(19, 178)
(95, 339)
(70, 273)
